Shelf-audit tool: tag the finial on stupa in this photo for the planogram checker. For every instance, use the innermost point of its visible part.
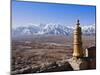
(78, 22)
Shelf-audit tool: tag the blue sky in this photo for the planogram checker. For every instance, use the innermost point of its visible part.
(25, 13)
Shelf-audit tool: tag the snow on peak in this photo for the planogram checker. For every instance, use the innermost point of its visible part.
(52, 29)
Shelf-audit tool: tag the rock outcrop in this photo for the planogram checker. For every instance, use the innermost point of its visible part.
(46, 67)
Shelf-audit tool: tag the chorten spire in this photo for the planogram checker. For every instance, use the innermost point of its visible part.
(78, 22)
(77, 44)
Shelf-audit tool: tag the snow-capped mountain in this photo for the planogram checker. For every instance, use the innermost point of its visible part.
(51, 29)
(23, 30)
(55, 29)
(88, 30)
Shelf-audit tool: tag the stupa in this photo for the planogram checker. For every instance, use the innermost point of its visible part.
(77, 44)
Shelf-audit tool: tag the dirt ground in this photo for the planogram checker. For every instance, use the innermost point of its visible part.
(35, 51)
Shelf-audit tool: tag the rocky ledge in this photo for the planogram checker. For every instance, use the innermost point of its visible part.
(45, 67)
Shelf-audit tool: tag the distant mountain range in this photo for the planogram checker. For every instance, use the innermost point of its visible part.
(50, 29)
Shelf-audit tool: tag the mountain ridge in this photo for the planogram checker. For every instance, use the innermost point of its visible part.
(51, 29)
